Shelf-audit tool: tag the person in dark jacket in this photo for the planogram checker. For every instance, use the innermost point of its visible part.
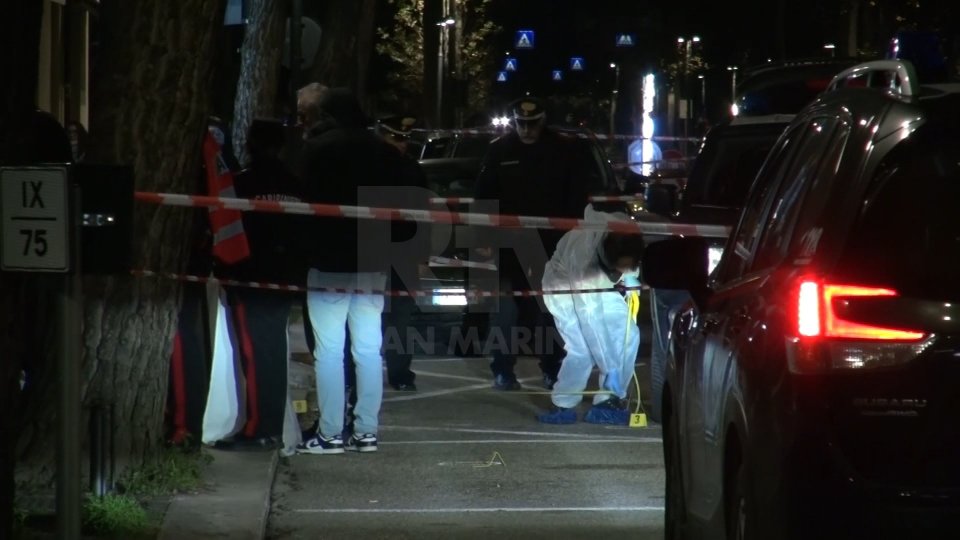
(344, 163)
(400, 309)
(261, 316)
(531, 171)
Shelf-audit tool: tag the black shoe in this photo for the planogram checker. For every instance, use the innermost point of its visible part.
(242, 443)
(404, 387)
(506, 383)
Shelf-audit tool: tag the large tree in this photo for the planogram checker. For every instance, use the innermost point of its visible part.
(259, 69)
(469, 54)
(19, 52)
(150, 97)
(346, 43)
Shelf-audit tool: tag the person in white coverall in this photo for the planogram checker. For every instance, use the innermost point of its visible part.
(598, 328)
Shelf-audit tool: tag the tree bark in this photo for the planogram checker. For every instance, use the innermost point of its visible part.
(19, 52)
(149, 104)
(346, 45)
(259, 70)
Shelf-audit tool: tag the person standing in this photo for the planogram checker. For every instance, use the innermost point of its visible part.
(404, 276)
(531, 171)
(340, 157)
(261, 316)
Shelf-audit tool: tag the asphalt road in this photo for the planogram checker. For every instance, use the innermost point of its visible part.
(459, 460)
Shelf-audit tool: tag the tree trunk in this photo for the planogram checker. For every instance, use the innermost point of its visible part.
(259, 70)
(150, 96)
(346, 45)
(19, 53)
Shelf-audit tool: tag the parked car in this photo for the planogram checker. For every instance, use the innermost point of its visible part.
(811, 385)
(714, 194)
(786, 87)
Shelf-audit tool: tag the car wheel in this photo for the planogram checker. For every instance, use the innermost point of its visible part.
(675, 507)
(739, 507)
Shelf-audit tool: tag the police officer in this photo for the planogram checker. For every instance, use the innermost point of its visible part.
(260, 316)
(532, 171)
(398, 314)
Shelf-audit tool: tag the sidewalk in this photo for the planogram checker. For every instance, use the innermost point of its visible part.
(235, 504)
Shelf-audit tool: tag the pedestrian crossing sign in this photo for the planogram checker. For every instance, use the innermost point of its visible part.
(524, 39)
(625, 40)
(557, 75)
(511, 64)
(576, 64)
(502, 76)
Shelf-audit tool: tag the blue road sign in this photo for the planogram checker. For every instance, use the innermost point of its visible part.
(626, 40)
(557, 75)
(524, 39)
(511, 64)
(576, 63)
(502, 76)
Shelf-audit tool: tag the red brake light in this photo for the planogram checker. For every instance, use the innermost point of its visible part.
(818, 318)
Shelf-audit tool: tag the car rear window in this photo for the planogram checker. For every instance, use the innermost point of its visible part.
(728, 164)
(908, 235)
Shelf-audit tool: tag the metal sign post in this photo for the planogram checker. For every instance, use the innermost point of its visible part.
(39, 213)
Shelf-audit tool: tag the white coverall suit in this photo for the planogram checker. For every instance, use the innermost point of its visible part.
(595, 327)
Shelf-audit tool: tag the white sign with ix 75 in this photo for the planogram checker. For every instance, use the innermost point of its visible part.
(34, 215)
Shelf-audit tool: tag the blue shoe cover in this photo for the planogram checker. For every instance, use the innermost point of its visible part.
(608, 416)
(558, 415)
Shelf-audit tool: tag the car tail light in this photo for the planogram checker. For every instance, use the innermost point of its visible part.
(827, 341)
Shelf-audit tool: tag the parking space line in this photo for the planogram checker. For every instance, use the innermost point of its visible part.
(544, 509)
(502, 432)
(638, 440)
(449, 376)
(446, 392)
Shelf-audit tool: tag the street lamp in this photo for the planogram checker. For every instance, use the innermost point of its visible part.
(733, 82)
(703, 95)
(444, 25)
(687, 44)
(613, 98)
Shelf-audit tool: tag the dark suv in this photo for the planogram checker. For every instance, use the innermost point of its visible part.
(717, 185)
(812, 384)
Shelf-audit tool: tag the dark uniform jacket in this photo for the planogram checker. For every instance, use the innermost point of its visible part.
(273, 237)
(541, 179)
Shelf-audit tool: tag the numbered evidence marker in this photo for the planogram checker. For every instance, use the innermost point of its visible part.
(638, 420)
(33, 214)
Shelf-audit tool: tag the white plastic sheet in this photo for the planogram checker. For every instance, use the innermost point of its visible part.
(225, 413)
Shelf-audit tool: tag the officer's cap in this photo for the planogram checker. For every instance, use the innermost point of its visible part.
(528, 109)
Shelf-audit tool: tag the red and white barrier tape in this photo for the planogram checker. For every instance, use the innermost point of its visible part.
(444, 262)
(601, 136)
(616, 198)
(433, 216)
(451, 200)
(592, 198)
(187, 278)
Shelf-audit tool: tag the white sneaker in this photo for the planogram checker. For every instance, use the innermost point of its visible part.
(321, 445)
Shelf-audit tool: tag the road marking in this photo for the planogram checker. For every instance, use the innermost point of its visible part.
(449, 376)
(448, 391)
(643, 440)
(544, 509)
(504, 432)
